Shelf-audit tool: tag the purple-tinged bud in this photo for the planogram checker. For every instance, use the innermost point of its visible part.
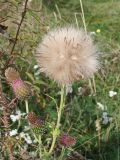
(67, 140)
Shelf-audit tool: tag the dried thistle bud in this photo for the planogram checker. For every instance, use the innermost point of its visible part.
(11, 74)
(67, 140)
(32, 118)
(20, 88)
(35, 120)
(67, 54)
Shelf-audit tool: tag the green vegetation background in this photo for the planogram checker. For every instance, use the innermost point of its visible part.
(81, 111)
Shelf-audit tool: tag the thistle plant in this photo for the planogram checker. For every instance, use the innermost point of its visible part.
(66, 55)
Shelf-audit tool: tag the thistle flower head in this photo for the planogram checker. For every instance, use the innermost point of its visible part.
(67, 54)
(20, 88)
(67, 140)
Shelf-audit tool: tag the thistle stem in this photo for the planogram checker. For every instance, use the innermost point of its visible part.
(27, 108)
(40, 146)
(62, 153)
(56, 130)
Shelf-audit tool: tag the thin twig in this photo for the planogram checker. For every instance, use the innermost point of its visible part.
(83, 16)
(19, 26)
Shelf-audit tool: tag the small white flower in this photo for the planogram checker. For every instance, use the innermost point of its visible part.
(69, 89)
(14, 118)
(37, 73)
(17, 116)
(92, 33)
(100, 106)
(22, 134)
(17, 137)
(105, 120)
(105, 114)
(28, 139)
(26, 128)
(18, 112)
(36, 66)
(112, 93)
(13, 132)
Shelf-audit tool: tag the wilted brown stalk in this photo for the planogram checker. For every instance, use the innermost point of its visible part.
(4, 103)
(7, 106)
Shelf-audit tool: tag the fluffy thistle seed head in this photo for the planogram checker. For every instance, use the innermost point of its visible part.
(67, 54)
(20, 88)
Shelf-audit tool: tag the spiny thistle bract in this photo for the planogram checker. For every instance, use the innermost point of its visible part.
(67, 54)
(36, 123)
(20, 88)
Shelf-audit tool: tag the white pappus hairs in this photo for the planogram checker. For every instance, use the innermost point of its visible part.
(67, 54)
